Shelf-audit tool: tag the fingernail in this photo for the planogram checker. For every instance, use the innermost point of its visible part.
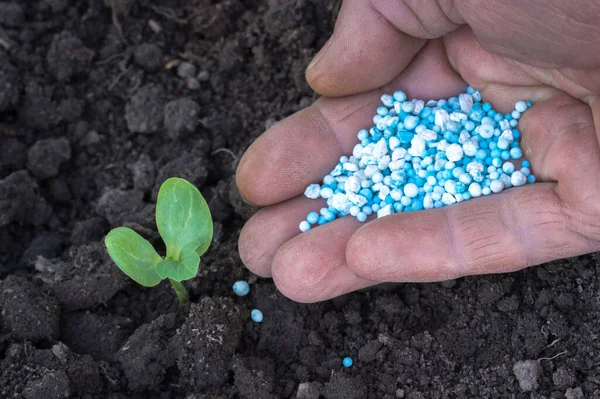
(319, 55)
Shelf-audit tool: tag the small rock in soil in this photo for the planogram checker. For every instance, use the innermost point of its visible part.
(68, 56)
(53, 385)
(27, 311)
(192, 84)
(144, 111)
(253, 377)
(181, 116)
(144, 173)
(89, 230)
(92, 334)
(186, 70)
(528, 372)
(45, 157)
(344, 386)
(564, 378)
(203, 76)
(90, 279)
(11, 15)
(13, 153)
(117, 206)
(20, 201)
(189, 166)
(149, 56)
(308, 390)
(10, 84)
(146, 355)
(574, 393)
(211, 332)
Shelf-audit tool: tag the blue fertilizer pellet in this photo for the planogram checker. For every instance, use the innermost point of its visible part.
(424, 155)
(347, 362)
(256, 315)
(241, 288)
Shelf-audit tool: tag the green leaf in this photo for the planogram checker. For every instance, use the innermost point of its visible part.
(183, 217)
(134, 255)
(184, 269)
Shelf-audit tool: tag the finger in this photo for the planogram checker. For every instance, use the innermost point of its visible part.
(312, 266)
(269, 229)
(365, 52)
(502, 82)
(304, 147)
(495, 234)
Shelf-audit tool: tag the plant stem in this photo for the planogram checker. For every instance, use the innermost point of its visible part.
(180, 290)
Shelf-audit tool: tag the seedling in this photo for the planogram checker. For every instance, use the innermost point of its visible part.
(185, 225)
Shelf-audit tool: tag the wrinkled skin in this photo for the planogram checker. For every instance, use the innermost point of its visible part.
(543, 51)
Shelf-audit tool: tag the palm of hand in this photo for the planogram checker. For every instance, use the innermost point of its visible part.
(518, 228)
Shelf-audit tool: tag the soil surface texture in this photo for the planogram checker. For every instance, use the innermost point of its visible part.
(100, 102)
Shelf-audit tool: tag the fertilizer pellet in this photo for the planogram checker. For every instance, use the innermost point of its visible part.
(256, 315)
(424, 155)
(347, 362)
(241, 288)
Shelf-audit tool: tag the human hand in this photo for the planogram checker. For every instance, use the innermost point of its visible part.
(541, 51)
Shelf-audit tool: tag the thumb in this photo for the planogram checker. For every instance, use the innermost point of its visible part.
(366, 51)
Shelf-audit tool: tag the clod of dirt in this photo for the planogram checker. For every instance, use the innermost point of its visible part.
(528, 372)
(564, 378)
(117, 206)
(253, 377)
(89, 230)
(344, 386)
(46, 244)
(149, 56)
(121, 7)
(368, 352)
(20, 201)
(144, 173)
(214, 21)
(144, 111)
(45, 157)
(10, 84)
(189, 166)
(11, 15)
(58, 5)
(90, 279)
(181, 116)
(84, 374)
(13, 153)
(186, 70)
(308, 390)
(38, 111)
(70, 109)
(574, 393)
(206, 341)
(93, 334)
(28, 312)
(53, 385)
(286, 16)
(68, 56)
(146, 355)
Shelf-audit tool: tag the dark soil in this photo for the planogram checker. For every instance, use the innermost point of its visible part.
(102, 100)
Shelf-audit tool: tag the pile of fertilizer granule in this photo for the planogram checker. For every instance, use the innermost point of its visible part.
(423, 155)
